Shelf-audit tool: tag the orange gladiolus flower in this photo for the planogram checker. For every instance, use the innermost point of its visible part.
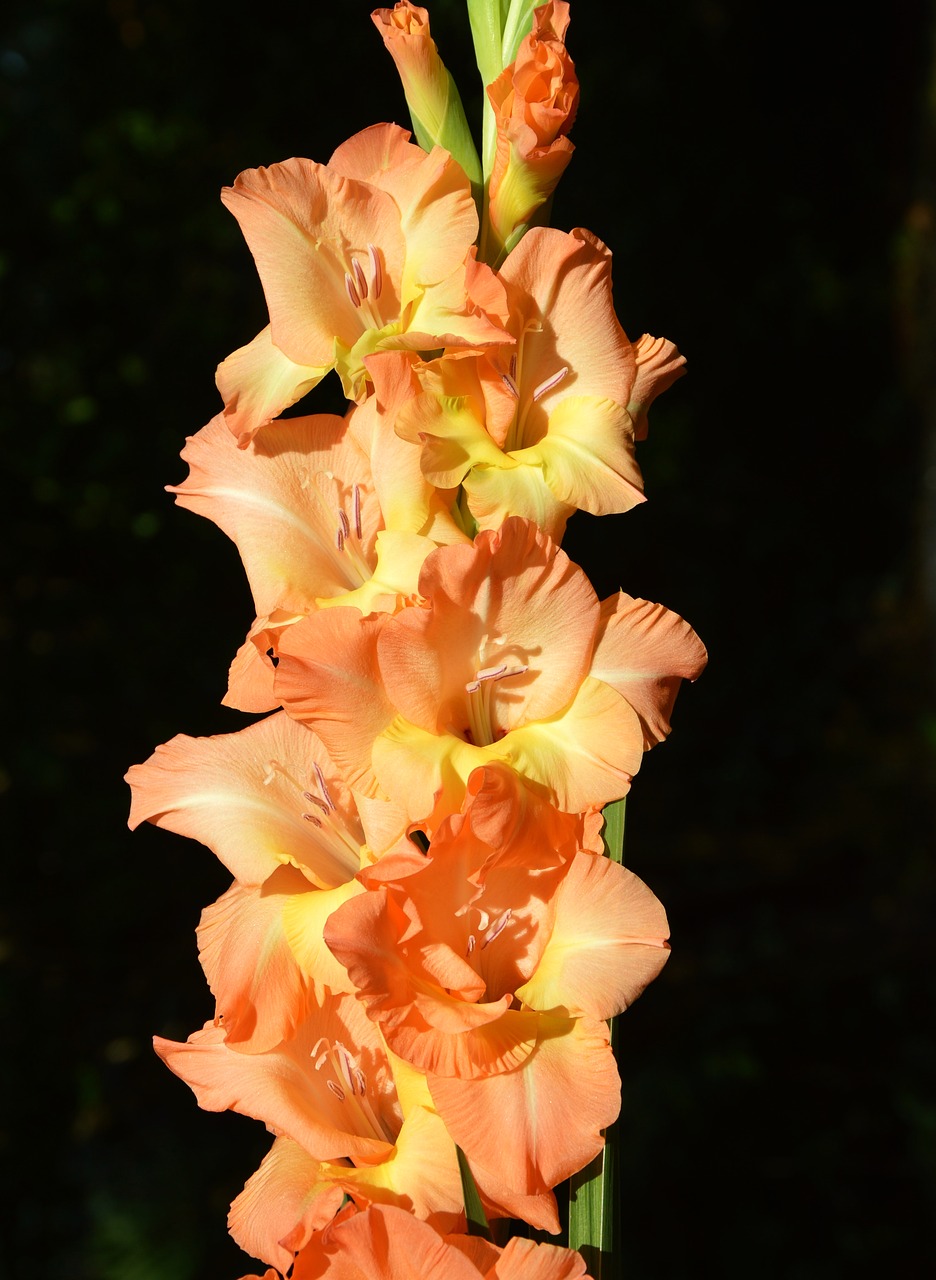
(534, 101)
(269, 803)
(369, 252)
(496, 978)
(347, 1114)
(548, 426)
(323, 510)
(384, 1243)
(511, 658)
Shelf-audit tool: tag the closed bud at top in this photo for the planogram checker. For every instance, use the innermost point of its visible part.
(535, 101)
(433, 100)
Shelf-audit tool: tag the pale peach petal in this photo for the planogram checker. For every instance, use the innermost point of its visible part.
(327, 676)
(300, 505)
(505, 602)
(258, 382)
(282, 1205)
(250, 675)
(550, 1113)
(259, 990)
(244, 795)
(527, 1260)
(305, 225)
(282, 1087)
(371, 153)
(606, 943)
(645, 651)
(659, 364)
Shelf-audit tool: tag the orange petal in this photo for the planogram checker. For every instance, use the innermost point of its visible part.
(528, 1130)
(606, 943)
(645, 651)
(328, 676)
(282, 1205)
(300, 505)
(258, 382)
(259, 990)
(244, 795)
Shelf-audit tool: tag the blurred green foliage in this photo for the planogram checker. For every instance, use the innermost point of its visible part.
(765, 180)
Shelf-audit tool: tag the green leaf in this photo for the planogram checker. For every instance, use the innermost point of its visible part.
(474, 1210)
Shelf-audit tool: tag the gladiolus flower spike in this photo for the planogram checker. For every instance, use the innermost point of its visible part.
(419, 966)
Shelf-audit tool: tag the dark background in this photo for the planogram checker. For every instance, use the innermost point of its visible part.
(765, 177)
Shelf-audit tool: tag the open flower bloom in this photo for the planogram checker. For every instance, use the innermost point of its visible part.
(534, 101)
(499, 990)
(269, 803)
(384, 1243)
(372, 251)
(510, 658)
(323, 510)
(347, 1115)
(548, 425)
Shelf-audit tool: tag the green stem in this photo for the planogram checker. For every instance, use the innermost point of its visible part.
(592, 1190)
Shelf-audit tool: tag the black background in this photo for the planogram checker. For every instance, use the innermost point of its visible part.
(764, 175)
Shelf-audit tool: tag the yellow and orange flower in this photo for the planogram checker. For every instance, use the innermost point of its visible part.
(369, 252)
(546, 426)
(495, 979)
(510, 657)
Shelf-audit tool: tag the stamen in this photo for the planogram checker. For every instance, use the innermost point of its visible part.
(345, 1064)
(339, 540)
(360, 1082)
(307, 795)
(310, 817)
(496, 929)
(358, 528)
(359, 278)
(471, 944)
(493, 673)
(336, 1090)
(345, 523)
(550, 382)
(376, 274)
(352, 292)
(323, 784)
(510, 385)
(513, 367)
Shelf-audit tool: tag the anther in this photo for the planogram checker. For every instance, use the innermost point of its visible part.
(510, 385)
(358, 528)
(323, 784)
(339, 539)
(307, 795)
(492, 673)
(345, 523)
(359, 278)
(513, 367)
(376, 273)
(336, 1090)
(550, 382)
(494, 930)
(471, 944)
(352, 292)
(310, 817)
